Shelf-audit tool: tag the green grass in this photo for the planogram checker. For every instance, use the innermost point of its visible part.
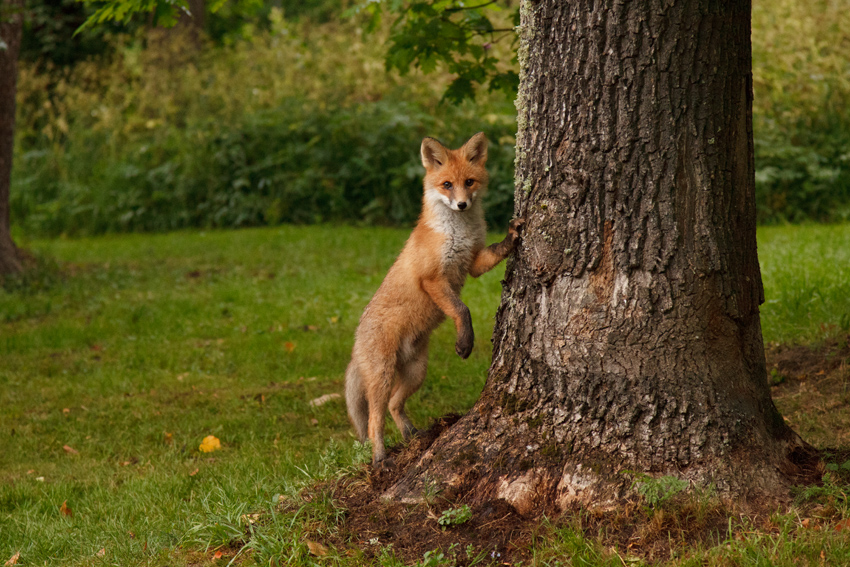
(153, 342)
(149, 343)
(806, 273)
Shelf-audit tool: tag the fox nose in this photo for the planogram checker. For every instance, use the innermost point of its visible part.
(461, 205)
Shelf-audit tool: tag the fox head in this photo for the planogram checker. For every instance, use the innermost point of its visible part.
(455, 178)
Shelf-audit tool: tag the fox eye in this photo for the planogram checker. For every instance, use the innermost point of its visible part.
(470, 182)
(447, 184)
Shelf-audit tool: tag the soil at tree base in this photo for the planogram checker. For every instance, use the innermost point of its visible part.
(505, 536)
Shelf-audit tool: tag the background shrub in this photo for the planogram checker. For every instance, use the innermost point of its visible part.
(801, 74)
(297, 121)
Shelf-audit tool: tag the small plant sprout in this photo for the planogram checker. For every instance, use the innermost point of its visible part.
(455, 516)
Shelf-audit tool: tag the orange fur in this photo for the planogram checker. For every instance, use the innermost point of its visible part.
(390, 355)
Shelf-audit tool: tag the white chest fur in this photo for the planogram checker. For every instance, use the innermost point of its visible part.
(464, 233)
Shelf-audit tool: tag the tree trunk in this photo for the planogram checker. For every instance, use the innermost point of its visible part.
(628, 337)
(11, 22)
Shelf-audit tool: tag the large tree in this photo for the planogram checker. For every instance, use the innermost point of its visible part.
(628, 337)
(11, 24)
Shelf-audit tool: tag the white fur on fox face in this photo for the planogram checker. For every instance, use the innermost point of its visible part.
(435, 197)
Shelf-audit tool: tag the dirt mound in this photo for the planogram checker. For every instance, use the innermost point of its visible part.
(489, 533)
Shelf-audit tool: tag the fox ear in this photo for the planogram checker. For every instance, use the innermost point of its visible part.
(434, 154)
(475, 149)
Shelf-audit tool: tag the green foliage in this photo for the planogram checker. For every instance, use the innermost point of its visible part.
(48, 35)
(286, 122)
(801, 77)
(265, 132)
(455, 516)
(452, 35)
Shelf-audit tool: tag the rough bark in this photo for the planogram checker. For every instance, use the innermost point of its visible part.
(628, 337)
(11, 22)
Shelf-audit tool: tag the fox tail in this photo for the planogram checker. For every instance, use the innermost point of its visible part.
(355, 399)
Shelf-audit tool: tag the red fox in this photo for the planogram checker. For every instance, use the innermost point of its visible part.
(390, 355)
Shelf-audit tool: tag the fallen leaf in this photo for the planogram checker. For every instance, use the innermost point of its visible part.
(102, 552)
(805, 523)
(317, 548)
(194, 472)
(210, 444)
(168, 438)
(822, 555)
(66, 411)
(842, 525)
(217, 555)
(70, 450)
(30, 471)
(321, 400)
(13, 560)
(65, 510)
(314, 421)
(311, 328)
(289, 346)
(334, 319)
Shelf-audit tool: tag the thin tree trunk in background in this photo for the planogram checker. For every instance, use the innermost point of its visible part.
(628, 337)
(11, 22)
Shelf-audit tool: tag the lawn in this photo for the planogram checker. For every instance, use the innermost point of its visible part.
(117, 364)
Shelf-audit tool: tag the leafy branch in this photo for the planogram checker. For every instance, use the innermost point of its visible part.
(427, 34)
(163, 13)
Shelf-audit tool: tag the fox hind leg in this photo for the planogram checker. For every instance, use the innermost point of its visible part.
(378, 388)
(411, 374)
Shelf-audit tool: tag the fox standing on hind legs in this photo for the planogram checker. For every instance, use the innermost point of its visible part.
(390, 355)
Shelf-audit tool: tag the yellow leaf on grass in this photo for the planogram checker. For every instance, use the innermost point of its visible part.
(65, 510)
(218, 555)
(210, 444)
(70, 450)
(13, 560)
(317, 548)
(289, 346)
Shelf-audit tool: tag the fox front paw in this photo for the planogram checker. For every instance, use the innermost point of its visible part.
(464, 344)
(513, 230)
